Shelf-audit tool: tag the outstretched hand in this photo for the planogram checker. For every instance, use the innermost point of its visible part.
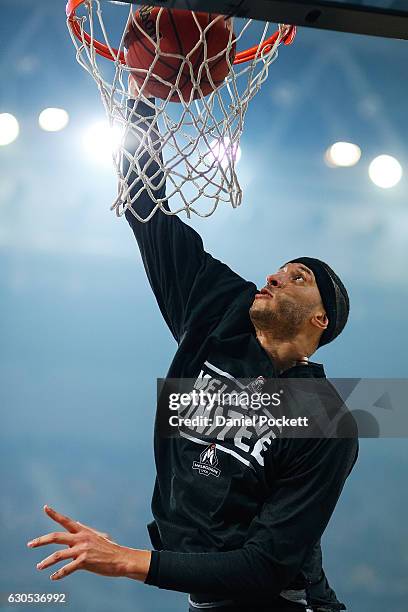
(90, 550)
(134, 89)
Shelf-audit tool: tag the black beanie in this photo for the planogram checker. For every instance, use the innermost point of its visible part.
(334, 297)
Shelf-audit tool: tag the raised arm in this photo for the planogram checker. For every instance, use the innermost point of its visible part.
(177, 266)
(279, 539)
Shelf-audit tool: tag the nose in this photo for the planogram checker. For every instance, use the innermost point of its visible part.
(274, 280)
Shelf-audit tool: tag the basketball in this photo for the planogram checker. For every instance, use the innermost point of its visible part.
(180, 37)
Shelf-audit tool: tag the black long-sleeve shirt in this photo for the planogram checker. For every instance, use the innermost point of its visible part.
(254, 529)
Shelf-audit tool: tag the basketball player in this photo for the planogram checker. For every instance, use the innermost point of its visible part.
(228, 537)
(237, 524)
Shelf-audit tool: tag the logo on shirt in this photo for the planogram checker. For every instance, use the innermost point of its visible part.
(208, 462)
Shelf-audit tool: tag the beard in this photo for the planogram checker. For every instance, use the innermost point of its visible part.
(284, 320)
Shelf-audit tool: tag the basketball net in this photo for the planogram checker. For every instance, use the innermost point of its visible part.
(196, 143)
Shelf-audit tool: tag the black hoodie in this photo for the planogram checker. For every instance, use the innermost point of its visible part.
(251, 529)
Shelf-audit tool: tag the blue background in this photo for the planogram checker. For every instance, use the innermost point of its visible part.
(82, 340)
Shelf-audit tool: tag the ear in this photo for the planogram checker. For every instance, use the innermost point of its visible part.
(320, 320)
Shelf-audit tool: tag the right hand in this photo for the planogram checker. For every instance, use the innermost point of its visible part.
(133, 88)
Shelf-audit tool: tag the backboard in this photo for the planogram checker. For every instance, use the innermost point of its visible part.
(388, 18)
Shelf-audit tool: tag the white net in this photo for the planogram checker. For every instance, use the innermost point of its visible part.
(194, 144)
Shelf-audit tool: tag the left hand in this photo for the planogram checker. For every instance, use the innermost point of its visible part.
(90, 549)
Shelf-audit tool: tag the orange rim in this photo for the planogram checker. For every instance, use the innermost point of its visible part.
(101, 49)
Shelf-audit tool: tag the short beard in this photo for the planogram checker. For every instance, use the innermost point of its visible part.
(284, 322)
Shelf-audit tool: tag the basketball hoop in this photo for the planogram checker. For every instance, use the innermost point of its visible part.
(196, 141)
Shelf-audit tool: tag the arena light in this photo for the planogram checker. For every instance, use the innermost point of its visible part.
(101, 141)
(224, 152)
(53, 119)
(385, 171)
(9, 129)
(343, 155)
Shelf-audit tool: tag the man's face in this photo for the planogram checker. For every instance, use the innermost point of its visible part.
(288, 301)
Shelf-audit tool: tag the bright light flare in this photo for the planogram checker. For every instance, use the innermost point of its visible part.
(9, 129)
(53, 119)
(101, 141)
(385, 171)
(225, 152)
(343, 155)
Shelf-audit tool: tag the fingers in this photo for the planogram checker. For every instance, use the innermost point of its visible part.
(57, 556)
(65, 521)
(103, 534)
(68, 569)
(53, 538)
(74, 527)
(132, 87)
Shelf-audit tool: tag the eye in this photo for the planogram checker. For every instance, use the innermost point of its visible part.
(299, 276)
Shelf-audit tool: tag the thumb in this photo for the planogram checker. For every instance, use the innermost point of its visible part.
(103, 534)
